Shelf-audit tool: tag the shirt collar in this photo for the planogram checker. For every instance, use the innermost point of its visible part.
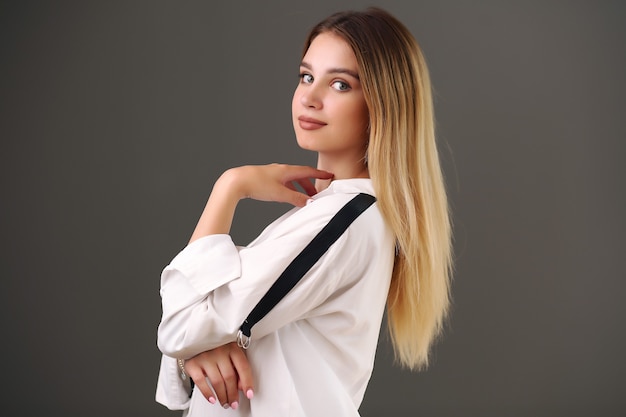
(350, 186)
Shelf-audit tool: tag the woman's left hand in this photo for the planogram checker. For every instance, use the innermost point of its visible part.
(228, 370)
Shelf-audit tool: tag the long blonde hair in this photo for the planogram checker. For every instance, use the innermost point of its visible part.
(404, 166)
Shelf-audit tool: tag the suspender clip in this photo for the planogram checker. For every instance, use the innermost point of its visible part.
(243, 341)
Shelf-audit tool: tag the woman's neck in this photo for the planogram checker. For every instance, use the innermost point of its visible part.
(342, 168)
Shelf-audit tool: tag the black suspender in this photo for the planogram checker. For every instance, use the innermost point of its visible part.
(303, 262)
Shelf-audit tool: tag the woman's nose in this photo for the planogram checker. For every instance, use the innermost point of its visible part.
(311, 98)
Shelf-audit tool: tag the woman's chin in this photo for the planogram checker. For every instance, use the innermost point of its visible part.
(307, 145)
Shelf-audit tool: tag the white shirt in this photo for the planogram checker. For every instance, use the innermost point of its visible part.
(313, 354)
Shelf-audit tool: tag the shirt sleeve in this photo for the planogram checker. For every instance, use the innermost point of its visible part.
(210, 287)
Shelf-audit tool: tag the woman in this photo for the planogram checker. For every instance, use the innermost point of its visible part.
(364, 105)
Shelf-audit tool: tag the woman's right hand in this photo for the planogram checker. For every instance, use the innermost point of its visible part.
(274, 182)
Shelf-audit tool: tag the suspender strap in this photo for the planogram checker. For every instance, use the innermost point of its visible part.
(303, 262)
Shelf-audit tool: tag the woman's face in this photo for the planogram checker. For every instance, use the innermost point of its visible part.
(328, 109)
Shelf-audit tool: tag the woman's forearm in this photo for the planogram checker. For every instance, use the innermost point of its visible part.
(217, 216)
(272, 182)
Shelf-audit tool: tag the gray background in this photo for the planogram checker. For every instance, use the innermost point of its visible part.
(117, 117)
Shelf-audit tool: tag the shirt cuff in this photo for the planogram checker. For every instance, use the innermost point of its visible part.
(172, 391)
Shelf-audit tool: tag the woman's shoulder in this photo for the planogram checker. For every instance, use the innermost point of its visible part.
(322, 207)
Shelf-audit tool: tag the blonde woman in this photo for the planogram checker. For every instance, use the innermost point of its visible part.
(363, 103)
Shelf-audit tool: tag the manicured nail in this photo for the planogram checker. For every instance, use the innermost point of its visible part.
(234, 405)
(249, 394)
(212, 400)
(226, 405)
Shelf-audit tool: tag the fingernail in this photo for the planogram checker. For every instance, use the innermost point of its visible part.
(309, 201)
(226, 405)
(234, 405)
(249, 394)
(212, 400)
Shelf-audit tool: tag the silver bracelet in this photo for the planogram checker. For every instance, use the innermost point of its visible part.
(181, 366)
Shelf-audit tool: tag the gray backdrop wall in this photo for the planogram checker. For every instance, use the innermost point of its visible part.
(116, 118)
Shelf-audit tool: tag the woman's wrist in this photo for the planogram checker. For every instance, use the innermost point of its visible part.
(231, 185)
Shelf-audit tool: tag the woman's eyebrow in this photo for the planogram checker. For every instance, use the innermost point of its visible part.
(351, 73)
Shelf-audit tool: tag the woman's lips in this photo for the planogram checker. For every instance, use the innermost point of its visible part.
(308, 123)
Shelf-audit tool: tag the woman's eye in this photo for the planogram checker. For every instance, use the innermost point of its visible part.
(341, 86)
(306, 78)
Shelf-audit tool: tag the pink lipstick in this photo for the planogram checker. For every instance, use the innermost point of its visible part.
(309, 123)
